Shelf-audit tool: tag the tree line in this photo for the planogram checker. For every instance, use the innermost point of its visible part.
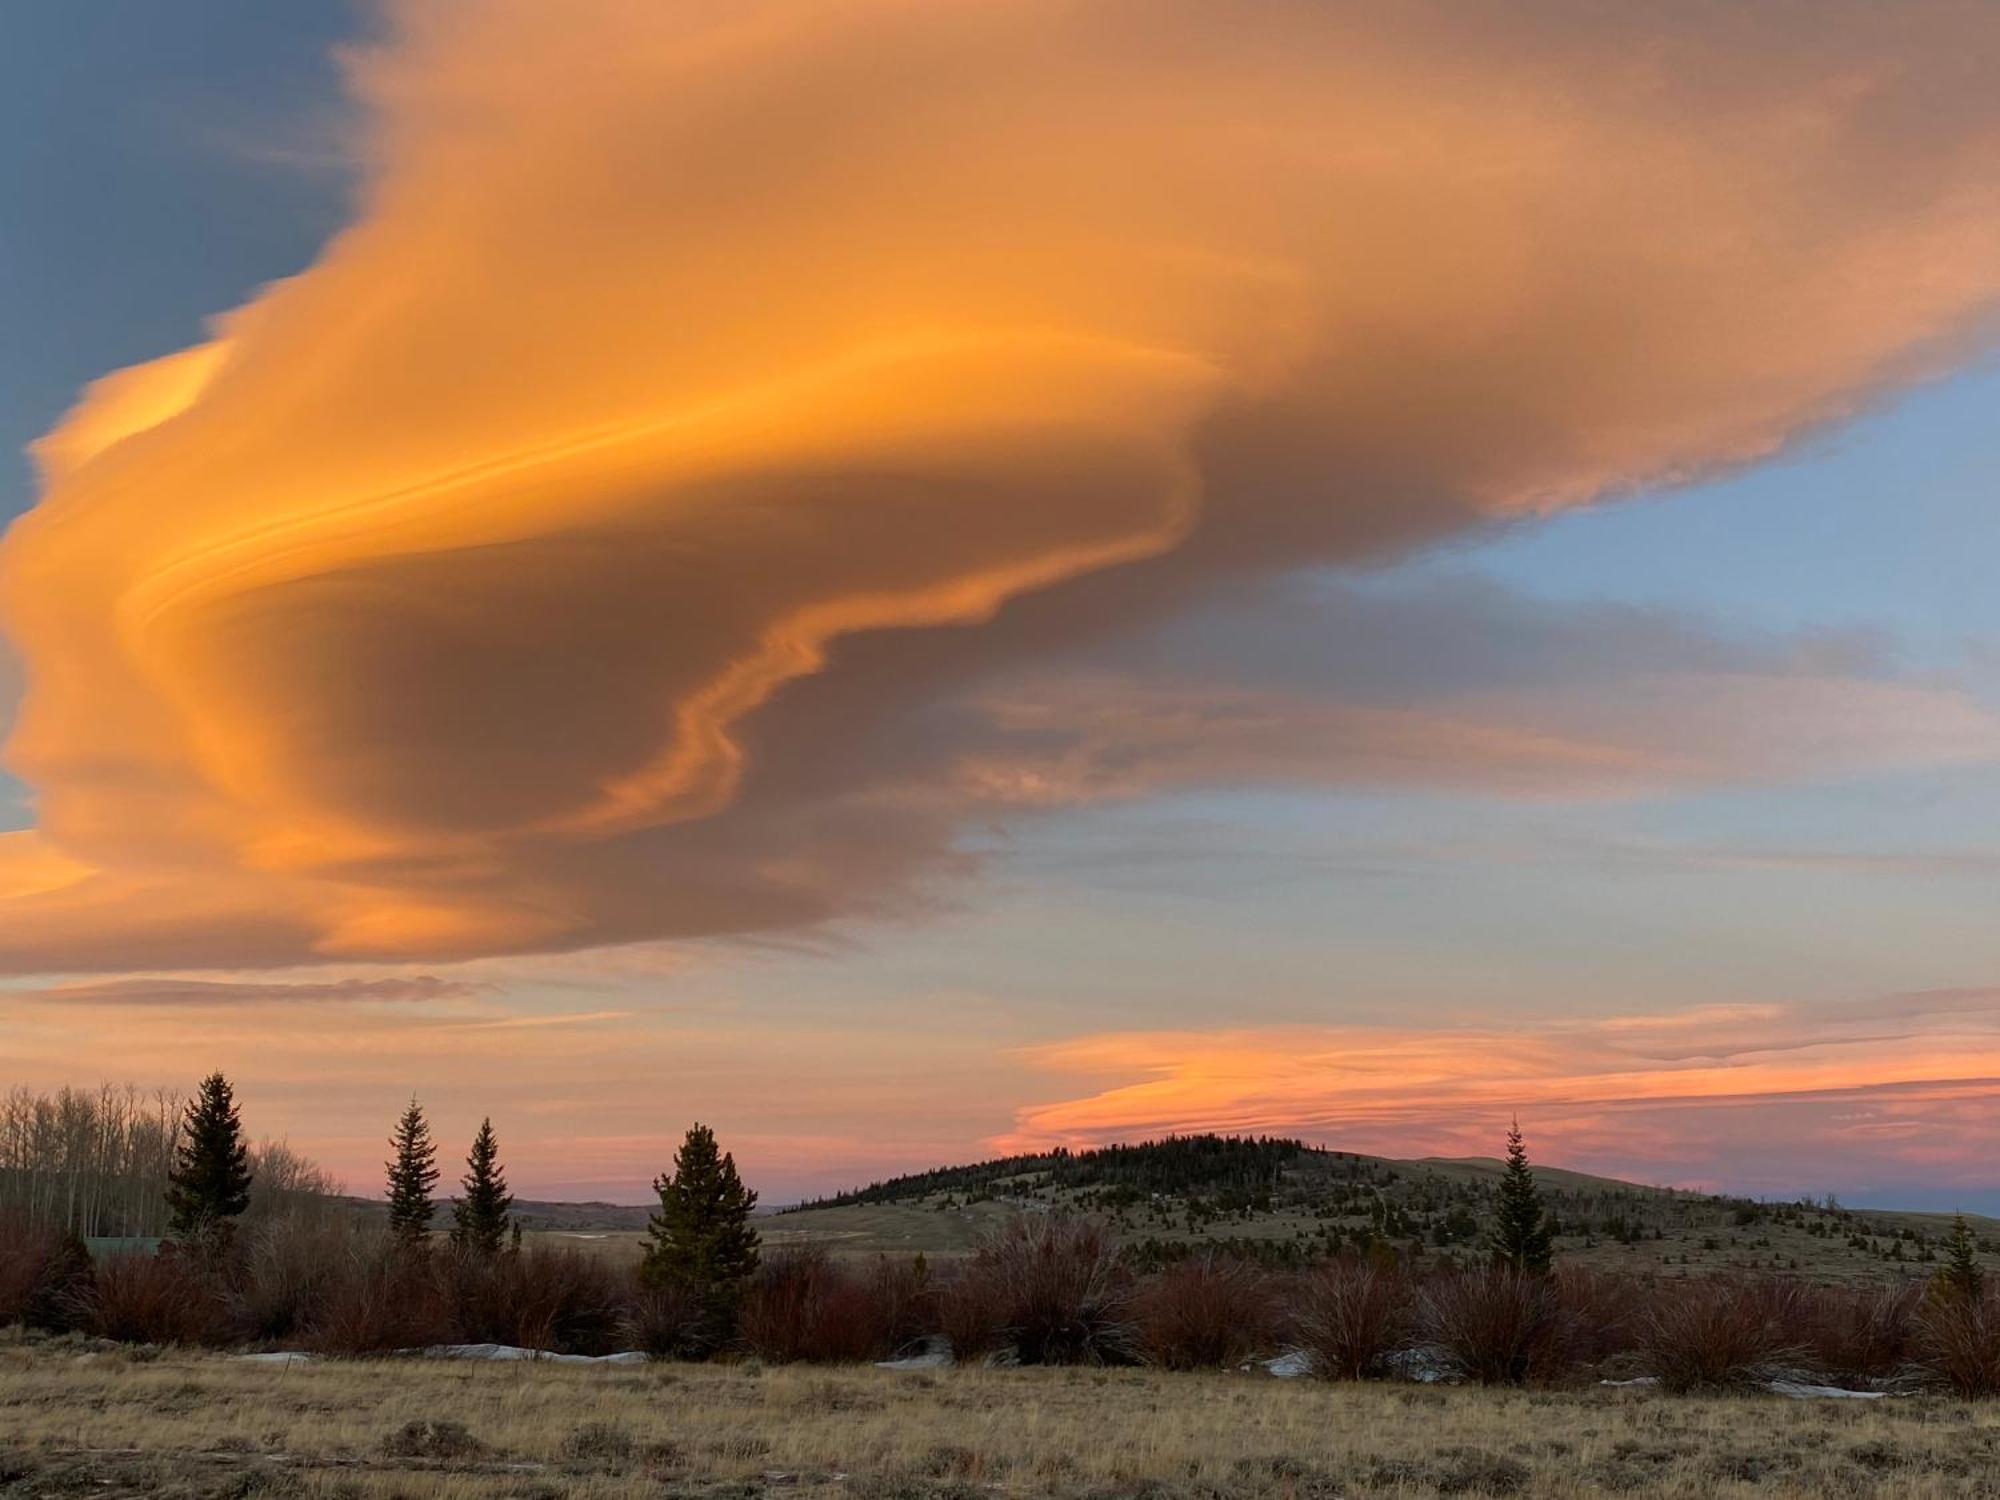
(96, 1163)
(700, 1243)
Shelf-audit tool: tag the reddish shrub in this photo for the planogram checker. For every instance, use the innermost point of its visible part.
(157, 1299)
(563, 1300)
(1600, 1316)
(1348, 1314)
(1957, 1338)
(667, 1322)
(1721, 1332)
(23, 1252)
(805, 1305)
(1497, 1326)
(1209, 1310)
(971, 1313)
(384, 1298)
(1062, 1294)
(45, 1280)
(905, 1300)
(1860, 1335)
(291, 1268)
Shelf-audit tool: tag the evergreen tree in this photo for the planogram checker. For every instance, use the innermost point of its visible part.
(1961, 1275)
(1521, 1235)
(700, 1240)
(208, 1186)
(479, 1219)
(412, 1175)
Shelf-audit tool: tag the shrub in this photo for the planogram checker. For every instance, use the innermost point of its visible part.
(1862, 1335)
(45, 1280)
(1208, 1310)
(291, 1269)
(1717, 1333)
(1958, 1341)
(667, 1322)
(563, 1300)
(1062, 1295)
(1600, 1316)
(971, 1313)
(804, 1305)
(23, 1254)
(1497, 1326)
(157, 1299)
(905, 1301)
(384, 1298)
(1348, 1315)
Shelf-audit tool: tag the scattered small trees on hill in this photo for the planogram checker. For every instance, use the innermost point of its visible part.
(412, 1174)
(1961, 1276)
(700, 1240)
(209, 1185)
(1522, 1238)
(479, 1219)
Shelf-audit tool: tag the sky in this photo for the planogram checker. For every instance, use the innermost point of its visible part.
(915, 581)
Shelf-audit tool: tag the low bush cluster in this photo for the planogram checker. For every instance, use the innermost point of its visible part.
(1046, 1289)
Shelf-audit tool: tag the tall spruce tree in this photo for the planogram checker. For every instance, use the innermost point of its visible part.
(1522, 1239)
(479, 1219)
(1961, 1276)
(700, 1240)
(412, 1174)
(208, 1185)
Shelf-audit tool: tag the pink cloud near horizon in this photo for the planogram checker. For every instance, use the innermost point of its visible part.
(1778, 1098)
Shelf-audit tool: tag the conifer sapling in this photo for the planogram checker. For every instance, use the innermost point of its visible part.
(700, 1239)
(412, 1174)
(208, 1185)
(1961, 1276)
(1522, 1238)
(480, 1218)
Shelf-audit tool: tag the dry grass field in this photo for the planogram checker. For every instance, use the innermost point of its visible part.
(113, 1423)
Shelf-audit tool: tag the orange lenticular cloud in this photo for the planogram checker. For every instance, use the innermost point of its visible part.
(453, 598)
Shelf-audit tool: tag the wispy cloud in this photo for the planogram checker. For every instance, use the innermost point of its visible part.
(416, 989)
(1782, 1096)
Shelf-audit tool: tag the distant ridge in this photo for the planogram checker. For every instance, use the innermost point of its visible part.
(1281, 1200)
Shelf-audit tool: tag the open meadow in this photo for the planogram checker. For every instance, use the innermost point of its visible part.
(76, 1420)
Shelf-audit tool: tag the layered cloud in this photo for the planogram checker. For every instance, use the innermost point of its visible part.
(1760, 1097)
(723, 443)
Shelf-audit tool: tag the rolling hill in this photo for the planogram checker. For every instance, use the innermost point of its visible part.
(1285, 1201)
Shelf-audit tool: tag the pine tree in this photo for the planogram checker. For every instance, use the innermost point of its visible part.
(412, 1175)
(1521, 1237)
(1961, 1276)
(700, 1240)
(208, 1186)
(479, 1219)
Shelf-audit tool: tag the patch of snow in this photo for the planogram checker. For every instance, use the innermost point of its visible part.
(1290, 1365)
(1799, 1391)
(935, 1354)
(506, 1352)
(1641, 1380)
(1426, 1366)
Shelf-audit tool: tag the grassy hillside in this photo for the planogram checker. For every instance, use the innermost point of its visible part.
(1285, 1201)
